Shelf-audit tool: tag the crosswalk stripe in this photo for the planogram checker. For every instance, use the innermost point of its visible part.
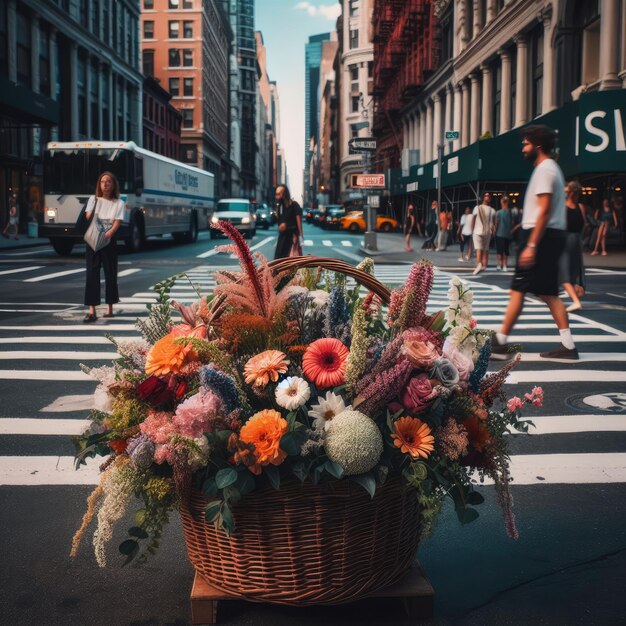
(327, 242)
(38, 279)
(21, 269)
(207, 254)
(42, 355)
(585, 357)
(28, 252)
(563, 424)
(63, 375)
(48, 470)
(346, 243)
(128, 272)
(42, 426)
(308, 242)
(86, 339)
(72, 327)
(559, 376)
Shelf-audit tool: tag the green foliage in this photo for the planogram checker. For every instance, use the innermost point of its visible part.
(159, 319)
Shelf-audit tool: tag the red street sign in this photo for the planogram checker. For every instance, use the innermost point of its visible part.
(367, 181)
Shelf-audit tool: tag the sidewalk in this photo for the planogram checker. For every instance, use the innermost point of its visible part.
(23, 242)
(391, 251)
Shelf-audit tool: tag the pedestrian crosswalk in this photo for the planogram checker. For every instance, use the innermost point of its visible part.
(42, 360)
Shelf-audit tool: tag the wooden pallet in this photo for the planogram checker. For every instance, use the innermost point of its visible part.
(415, 591)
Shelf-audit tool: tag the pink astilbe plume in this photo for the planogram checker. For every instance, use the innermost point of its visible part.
(383, 389)
(491, 385)
(252, 284)
(407, 306)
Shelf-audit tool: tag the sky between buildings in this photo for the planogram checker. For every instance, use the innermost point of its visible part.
(286, 26)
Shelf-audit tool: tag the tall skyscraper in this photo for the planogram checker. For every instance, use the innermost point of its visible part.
(313, 59)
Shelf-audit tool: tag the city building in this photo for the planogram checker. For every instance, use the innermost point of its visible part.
(185, 46)
(313, 59)
(265, 138)
(281, 166)
(161, 120)
(356, 102)
(68, 71)
(499, 65)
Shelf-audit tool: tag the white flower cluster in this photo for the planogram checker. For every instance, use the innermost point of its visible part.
(459, 316)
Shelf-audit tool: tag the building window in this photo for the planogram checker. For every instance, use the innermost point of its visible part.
(188, 30)
(148, 4)
(148, 29)
(4, 41)
(44, 62)
(188, 87)
(446, 34)
(175, 86)
(81, 88)
(354, 108)
(370, 69)
(173, 4)
(187, 4)
(188, 57)
(95, 18)
(591, 53)
(83, 12)
(354, 39)
(174, 57)
(354, 78)
(354, 8)
(23, 49)
(354, 130)
(187, 118)
(537, 71)
(173, 29)
(148, 62)
(497, 97)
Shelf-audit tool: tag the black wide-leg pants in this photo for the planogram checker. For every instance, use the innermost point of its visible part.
(107, 259)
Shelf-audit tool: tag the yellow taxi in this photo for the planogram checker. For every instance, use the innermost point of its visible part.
(354, 221)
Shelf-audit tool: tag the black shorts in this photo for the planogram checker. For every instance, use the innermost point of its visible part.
(502, 245)
(542, 278)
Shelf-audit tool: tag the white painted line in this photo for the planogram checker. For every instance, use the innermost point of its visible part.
(346, 243)
(566, 375)
(38, 279)
(36, 310)
(562, 424)
(48, 470)
(62, 375)
(554, 338)
(327, 242)
(531, 326)
(208, 253)
(308, 242)
(31, 426)
(72, 327)
(262, 243)
(67, 404)
(585, 357)
(128, 272)
(21, 269)
(616, 295)
(28, 252)
(86, 339)
(40, 355)
(349, 255)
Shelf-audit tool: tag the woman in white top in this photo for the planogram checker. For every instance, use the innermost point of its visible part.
(464, 234)
(106, 204)
(483, 229)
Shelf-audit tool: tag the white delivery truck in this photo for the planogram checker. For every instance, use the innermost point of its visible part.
(162, 196)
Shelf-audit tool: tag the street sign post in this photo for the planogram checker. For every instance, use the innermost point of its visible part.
(367, 181)
(452, 135)
(362, 144)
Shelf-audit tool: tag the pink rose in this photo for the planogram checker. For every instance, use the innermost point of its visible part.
(418, 394)
(514, 404)
(462, 362)
(422, 354)
(535, 397)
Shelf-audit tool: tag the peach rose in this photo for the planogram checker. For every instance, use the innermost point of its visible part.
(422, 354)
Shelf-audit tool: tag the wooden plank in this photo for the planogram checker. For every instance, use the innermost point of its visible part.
(414, 589)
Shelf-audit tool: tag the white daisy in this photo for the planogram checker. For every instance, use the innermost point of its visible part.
(326, 408)
(292, 392)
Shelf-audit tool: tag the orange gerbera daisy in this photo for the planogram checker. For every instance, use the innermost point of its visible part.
(413, 437)
(324, 363)
(262, 368)
(264, 431)
(167, 357)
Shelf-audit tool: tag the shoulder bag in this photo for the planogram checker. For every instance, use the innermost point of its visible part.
(95, 234)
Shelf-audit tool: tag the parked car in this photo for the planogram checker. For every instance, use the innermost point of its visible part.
(309, 214)
(354, 221)
(241, 213)
(333, 214)
(265, 217)
(318, 217)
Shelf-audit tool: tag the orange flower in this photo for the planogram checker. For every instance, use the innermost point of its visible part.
(187, 330)
(264, 431)
(262, 368)
(166, 357)
(413, 437)
(324, 363)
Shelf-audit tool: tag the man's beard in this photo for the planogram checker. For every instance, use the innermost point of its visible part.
(531, 155)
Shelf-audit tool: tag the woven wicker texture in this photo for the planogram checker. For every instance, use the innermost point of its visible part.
(307, 545)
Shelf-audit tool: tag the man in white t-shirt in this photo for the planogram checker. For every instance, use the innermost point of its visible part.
(542, 240)
(483, 228)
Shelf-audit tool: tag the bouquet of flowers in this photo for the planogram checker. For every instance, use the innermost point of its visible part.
(290, 375)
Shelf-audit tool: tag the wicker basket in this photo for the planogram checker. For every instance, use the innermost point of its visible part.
(307, 544)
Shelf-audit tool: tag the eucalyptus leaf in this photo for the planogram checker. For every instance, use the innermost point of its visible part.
(140, 533)
(128, 547)
(334, 469)
(367, 481)
(213, 510)
(467, 515)
(227, 519)
(245, 482)
(273, 475)
(225, 477)
(474, 497)
(209, 488)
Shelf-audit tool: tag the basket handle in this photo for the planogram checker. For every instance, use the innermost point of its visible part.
(334, 265)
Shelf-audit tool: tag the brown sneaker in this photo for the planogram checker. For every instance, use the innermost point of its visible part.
(561, 354)
(501, 351)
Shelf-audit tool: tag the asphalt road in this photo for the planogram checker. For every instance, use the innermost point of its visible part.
(570, 476)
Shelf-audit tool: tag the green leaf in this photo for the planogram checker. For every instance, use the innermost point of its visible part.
(213, 510)
(245, 482)
(225, 477)
(209, 488)
(140, 517)
(231, 494)
(467, 515)
(289, 444)
(367, 481)
(273, 475)
(128, 547)
(291, 419)
(227, 519)
(140, 533)
(333, 468)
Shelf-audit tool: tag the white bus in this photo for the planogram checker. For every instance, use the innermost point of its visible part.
(162, 196)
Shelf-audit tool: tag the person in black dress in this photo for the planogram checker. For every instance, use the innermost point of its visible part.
(290, 238)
